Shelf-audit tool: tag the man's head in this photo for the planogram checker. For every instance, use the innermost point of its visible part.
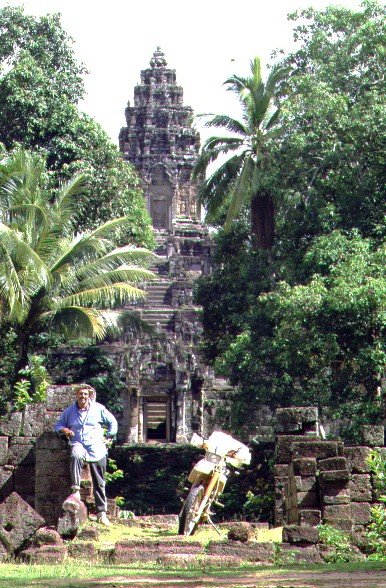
(82, 394)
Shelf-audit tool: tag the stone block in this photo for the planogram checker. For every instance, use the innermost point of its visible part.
(360, 513)
(4, 555)
(33, 419)
(241, 532)
(334, 476)
(307, 499)
(356, 459)
(281, 471)
(336, 512)
(345, 525)
(130, 551)
(360, 488)
(332, 463)
(24, 480)
(305, 466)
(310, 517)
(47, 554)
(46, 536)
(82, 550)
(6, 481)
(298, 534)
(18, 522)
(3, 450)
(335, 493)
(253, 552)
(314, 448)
(10, 425)
(59, 397)
(89, 533)
(22, 451)
(305, 483)
(51, 441)
(50, 419)
(373, 435)
(290, 554)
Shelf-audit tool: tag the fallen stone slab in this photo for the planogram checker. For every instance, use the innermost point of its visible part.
(47, 554)
(289, 553)
(46, 536)
(91, 533)
(188, 560)
(18, 522)
(83, 550)
(130, 551)
(253, 552)
(162, 521)
(241, 531)
(298, 534)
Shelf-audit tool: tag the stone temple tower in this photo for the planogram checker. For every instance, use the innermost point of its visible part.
(167, 382)
(160, 141)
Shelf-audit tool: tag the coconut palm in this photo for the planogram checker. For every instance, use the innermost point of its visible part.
(49, 277)
(239, 179)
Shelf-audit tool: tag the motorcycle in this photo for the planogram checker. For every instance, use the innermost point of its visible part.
(208, 478)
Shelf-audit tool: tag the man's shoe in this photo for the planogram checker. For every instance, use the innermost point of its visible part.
(102, 519)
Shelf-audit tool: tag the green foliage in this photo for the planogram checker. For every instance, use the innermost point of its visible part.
(38, 376)
(53, 279)
(41, 84)
(339, 541)
(87, 363)
(306, 324)
(113, 472)
(22, 395)
(240, 180)
(376, 531)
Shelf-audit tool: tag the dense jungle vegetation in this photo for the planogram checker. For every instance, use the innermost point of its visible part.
(294, 312)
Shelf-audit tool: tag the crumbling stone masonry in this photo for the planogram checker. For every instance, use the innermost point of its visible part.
(319, 481)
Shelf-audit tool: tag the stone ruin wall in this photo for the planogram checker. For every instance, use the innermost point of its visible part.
(321, 481)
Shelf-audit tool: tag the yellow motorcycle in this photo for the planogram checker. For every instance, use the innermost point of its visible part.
(208, 478)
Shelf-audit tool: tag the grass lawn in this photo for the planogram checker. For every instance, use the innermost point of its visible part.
(81, 574)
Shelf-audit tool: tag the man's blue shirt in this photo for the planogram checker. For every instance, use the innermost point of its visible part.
(88, 427)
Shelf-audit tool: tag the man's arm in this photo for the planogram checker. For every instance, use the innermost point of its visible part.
(62, 425)
(110, 421)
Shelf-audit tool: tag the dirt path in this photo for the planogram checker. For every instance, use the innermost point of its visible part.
(295, 579)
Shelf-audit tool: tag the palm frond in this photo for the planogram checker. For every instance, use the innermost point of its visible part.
(64, 205)
(226, 122)
(212, 149)
(132, 275)
(128, 255)
(76, 320)
(240, 192)
(112, 296)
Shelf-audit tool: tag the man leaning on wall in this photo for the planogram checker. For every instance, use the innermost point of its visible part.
(88, 425)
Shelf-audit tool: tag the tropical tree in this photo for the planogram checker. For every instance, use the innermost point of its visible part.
(241, 178)
(51, 278)
(41, 84)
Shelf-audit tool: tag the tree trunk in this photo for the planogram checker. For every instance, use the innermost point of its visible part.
(263, 221)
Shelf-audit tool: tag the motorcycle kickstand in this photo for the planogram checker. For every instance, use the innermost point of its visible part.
(213, 525)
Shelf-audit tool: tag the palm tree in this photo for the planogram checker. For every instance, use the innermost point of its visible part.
(239, 179)
(49, 277)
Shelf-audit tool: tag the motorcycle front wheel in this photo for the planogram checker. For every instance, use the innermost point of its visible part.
(187, 524)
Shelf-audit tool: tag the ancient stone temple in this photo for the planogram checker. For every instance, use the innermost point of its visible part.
(165, 376)
(160, 141)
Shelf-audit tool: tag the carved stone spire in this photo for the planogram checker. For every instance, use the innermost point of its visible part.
(158, 59)
(160, 141)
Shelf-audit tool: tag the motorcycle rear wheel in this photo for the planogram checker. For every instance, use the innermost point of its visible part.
(187, 524)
